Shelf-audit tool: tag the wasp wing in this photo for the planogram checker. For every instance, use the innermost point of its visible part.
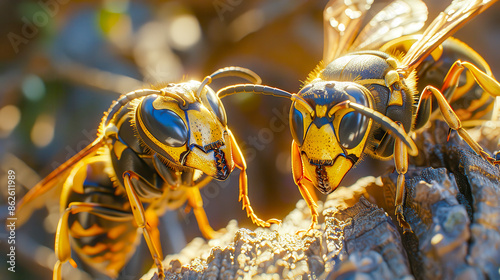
(341, 22)
(446, 23)
(27, 204)
(401, 17)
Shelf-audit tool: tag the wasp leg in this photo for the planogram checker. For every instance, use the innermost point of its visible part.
(484, 80)
(450, 85)
(203, 182)
(197, 185)
(450, 117)
(488, 83)
(401, 162)
(140, 218)
(304, 184)
(62, 245)
(196, 202)
(312, 191)
(239, 161)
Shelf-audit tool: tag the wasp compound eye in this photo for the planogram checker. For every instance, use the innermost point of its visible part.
(162, 124)
(353, 125)
(352, 129)
(216, 106)
(297, 125)
(357, 94)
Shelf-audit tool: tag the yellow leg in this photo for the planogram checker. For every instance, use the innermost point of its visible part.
(401, 162)
(62, 245)
(485, 81)
(452, 92)
(196, 202)
(239, 161)
(304, 184)
(203, 182)
(152, 240)
(452, 120)
(450, 83)
(311, 189)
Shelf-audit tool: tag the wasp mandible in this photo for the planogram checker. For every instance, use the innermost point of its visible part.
(363, 97)
(155, 149)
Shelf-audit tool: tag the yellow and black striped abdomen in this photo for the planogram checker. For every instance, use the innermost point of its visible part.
(105, 237)
(470, 101)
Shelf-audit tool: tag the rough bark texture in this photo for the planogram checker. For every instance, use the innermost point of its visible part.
(452, 204)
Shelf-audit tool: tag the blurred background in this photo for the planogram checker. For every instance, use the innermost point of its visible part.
(63, 62)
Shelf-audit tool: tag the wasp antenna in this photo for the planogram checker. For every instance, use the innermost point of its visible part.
(206, 81)
(235, 71)
(386, 122)
(251, 88)
(126, 98)
(232, 71)
(266, 90)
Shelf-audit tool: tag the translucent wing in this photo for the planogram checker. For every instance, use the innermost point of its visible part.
(446, 23)
(342, 20)
(27, 204)
(401, 17)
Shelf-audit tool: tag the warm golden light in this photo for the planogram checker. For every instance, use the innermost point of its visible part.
(42, 132)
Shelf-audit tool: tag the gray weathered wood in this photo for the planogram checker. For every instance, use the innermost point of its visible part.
(452, 204)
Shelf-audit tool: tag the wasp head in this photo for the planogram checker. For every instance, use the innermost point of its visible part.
(331, 138)
(187, 129)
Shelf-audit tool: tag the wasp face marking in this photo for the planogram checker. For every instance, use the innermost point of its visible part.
(324, 159)
(209, 144)
(214, 157)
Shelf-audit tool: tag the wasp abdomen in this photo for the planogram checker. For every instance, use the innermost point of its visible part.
(106, 238)
(469, 101)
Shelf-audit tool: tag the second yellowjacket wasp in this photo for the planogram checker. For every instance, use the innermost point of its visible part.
(364, 99)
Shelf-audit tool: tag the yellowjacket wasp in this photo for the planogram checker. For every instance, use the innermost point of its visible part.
(155, 148)
(363, 97)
